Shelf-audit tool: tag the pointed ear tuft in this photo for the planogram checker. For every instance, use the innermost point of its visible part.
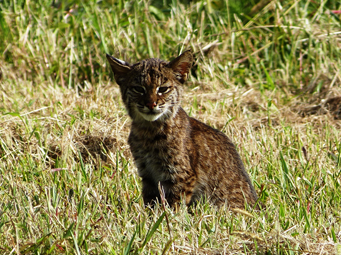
(119, 67)
(182, 65)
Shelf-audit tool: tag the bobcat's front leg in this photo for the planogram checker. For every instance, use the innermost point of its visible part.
(150, 192)
(182, 190)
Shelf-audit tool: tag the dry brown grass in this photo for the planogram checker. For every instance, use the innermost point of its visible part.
(67, 180)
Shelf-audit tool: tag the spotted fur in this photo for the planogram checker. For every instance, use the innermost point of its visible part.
(191, 160)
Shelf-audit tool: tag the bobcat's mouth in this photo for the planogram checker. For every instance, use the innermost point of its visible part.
(152, 115)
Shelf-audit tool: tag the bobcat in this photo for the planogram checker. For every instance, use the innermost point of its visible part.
(191, 160)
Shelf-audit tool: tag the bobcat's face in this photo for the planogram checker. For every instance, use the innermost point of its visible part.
(151, 89)
(151, 92)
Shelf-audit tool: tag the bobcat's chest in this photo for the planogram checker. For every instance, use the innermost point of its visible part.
(158, 158)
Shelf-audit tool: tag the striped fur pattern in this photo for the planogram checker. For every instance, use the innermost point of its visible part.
(190, 160)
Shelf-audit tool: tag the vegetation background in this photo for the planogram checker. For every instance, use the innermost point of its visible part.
(267, 74)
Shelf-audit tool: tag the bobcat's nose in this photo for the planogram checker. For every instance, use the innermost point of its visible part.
(151, 105)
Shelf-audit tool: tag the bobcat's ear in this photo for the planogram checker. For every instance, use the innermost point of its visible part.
(182, 65)
(119, 67)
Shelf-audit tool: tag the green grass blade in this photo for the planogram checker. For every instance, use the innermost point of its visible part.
(152, 230)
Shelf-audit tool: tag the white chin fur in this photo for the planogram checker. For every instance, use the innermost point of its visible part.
(151, 117)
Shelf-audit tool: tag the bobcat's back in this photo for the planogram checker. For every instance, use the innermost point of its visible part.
(189, 159)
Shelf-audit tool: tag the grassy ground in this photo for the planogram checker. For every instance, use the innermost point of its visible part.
(67, 180)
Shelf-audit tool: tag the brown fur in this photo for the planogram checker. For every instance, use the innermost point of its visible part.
(191, 160)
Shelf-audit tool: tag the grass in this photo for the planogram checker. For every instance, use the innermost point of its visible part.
(67, 180)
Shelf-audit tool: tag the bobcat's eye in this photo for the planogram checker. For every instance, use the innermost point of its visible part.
(163, 90)
(138, 89)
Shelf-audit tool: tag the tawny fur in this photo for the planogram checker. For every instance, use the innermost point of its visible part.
(191, 160)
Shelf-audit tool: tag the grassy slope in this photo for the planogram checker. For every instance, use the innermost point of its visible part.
(67, 180)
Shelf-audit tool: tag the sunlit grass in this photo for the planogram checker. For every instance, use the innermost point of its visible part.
(67, 180)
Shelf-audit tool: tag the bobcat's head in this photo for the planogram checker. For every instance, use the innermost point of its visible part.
(151, 89)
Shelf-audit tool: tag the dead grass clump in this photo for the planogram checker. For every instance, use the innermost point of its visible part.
(96, 147)
(101, 143)
(331, 106)
(91, 148)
